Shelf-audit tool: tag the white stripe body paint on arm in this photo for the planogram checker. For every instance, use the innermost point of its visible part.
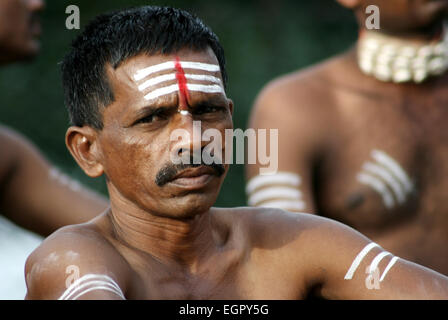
(273, 193)
(91, 282)
(279, 190)
(374, 264)
(358, 260)
(281, 178)
(377, 260)
(388, 267)
(284, 204)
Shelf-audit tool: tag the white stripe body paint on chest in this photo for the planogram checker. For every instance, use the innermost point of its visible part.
(89, 283)
(386, 177)
(209, 82)
(279, 190)
(374, 264)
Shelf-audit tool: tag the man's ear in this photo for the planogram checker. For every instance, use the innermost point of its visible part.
(83, 145)
(351, 4)
(231, 106)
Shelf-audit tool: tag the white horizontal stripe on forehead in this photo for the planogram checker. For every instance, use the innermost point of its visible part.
(143, 73)
(191, 87)
(283, 178)
(162, 92)
(172, 76)
(274, 193)
(285, 204)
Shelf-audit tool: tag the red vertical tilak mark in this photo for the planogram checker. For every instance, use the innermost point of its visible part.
(182, 82)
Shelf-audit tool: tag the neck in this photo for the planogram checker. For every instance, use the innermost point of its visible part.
(168, 240)
(424, 35)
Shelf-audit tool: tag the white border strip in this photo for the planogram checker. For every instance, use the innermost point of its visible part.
(358, 260)
(274, 193)
(284, 178)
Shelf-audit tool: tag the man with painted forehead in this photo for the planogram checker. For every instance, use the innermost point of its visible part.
(362, 136)
(131, 79)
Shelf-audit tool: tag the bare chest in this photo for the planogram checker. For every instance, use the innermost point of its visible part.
(231, 276)
(388, 165)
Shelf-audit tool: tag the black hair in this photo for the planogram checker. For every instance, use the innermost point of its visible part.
(112, 38)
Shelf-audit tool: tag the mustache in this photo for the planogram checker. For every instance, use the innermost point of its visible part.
(170, 171)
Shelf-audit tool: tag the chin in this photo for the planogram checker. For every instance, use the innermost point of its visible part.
(187, 207)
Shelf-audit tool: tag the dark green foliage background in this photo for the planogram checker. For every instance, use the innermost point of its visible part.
(262, 39)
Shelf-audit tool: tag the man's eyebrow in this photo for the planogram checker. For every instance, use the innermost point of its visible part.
(144, 111)
(213, 102)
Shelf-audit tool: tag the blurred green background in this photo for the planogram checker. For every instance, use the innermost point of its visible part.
(262, 39)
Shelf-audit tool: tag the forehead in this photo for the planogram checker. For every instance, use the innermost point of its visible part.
(143, 61)
(126, 84)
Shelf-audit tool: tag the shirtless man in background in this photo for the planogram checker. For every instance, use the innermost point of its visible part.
(131, 80)
(363, 136)
(33, 194)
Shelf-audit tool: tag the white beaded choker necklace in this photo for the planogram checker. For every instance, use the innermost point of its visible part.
(393, 59)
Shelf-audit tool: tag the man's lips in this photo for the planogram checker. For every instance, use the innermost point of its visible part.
(193, 178)
(195, 172)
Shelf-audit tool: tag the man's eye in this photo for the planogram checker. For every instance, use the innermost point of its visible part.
(152, 118)
(147, 119)
(209, 109)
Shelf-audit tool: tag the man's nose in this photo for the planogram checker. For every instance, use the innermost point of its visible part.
(187, 138)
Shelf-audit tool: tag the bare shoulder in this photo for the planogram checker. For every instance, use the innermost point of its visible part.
(267, 226)
(69, 254)
(8, 140)
(11, 139)
(14, 147)
(297, 98)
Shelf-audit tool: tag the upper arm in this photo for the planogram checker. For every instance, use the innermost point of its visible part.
(350, 266)
(295, 110)
(59, 270)
(35, 195)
